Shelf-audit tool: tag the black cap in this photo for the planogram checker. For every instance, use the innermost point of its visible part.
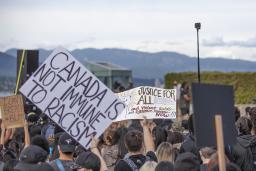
(67, 144)
(21, 166)
(186, 161)
(88, 160)
(33, 154)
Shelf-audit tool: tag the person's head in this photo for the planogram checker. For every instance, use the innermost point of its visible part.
(159, 135)
(33, 154)
(110, 136)
(191, 124)
(206, 153)
(213, 163)
(247, 111)
(34, 130)
(10, 164)
(185, 85)
(40, 141)
(88, 161)
(165, 152)
(164, 166)
(229, 167)
(122, 150)
(252, 114)
(148, 166)
(8, 154)
(21, 166)
(186, 161)
(134, 141)
(237, 113)
(175, 137)
(244, 126)
(67, 145)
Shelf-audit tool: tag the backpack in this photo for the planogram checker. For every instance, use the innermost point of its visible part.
(131, 164)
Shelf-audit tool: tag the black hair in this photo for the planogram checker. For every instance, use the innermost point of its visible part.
(244, 126)
(34, 130)
(40, 141)
(133, 140)
(175, 137)
(122, 150)
(191, 124)
(237, 113)
(135, 125)
(159, 135)
(89, 160)
(10, 164)
(164, 166)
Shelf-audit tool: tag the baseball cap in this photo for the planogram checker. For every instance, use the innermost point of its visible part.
(67, 144)
(88, 160)
(22, 166)
(33, 154)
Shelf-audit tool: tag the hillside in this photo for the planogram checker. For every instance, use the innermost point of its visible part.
(150, 65)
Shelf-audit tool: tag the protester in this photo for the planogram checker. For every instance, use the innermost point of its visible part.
(165, 152)
(66, 147)
(149, 166)
(134, 143)
(244, 152)
(206, 154)
(185, 99)
(186, 162)
(88, 160)
(164, 166)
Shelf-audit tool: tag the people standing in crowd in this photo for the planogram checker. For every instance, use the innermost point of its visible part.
(185, 98)
(134, 143)
(164, 166)
(177, 87)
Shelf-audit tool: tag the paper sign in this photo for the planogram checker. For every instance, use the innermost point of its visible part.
(72, 97)
(150, 102)
(12, 111)
(210, 100)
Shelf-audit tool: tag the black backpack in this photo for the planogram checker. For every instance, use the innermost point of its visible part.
(131, 164)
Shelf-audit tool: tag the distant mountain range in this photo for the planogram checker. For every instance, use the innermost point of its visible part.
(143, 64)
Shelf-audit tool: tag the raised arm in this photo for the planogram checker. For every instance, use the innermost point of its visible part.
(27, 136)
(148, 139)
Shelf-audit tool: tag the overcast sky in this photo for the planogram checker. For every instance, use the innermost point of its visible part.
(228, 26)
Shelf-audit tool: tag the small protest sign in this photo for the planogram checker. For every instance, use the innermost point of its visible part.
(148, 101)
(210, 100)
(12, 111)
(72, 97)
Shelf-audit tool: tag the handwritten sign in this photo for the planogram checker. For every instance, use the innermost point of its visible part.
(72, 97)
(148, 101)
(12, 111)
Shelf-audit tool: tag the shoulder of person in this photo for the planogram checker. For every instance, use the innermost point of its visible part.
(151, 155)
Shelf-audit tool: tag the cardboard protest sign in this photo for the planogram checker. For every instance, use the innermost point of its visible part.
(148, 101)
(72, 97)
(210, 100)
(12, 111)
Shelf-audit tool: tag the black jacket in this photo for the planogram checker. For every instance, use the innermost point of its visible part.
(241, 152)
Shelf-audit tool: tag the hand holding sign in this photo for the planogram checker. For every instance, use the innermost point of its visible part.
(72, 97)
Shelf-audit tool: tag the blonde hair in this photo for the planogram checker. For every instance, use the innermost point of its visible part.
(148, 166)
(165, 152)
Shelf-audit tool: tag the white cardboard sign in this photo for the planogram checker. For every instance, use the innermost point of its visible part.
(150, 102)
(72, 97)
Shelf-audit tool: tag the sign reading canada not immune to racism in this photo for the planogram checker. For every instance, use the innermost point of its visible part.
(149, 102)
(72, 97)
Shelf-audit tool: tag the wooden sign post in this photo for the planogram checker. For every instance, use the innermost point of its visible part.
(220, 142)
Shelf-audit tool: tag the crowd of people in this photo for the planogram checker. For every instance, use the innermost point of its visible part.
(131, 145)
